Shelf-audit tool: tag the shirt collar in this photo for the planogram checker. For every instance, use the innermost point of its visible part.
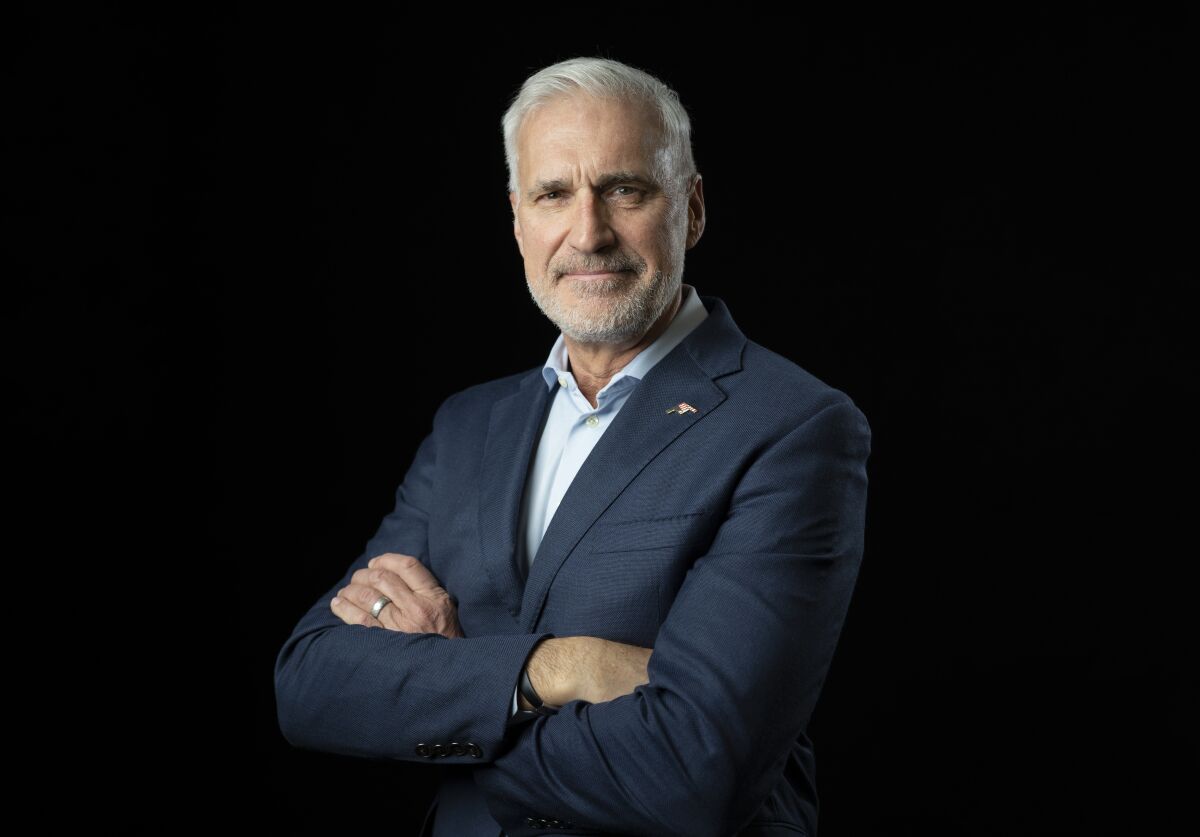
(690, 314)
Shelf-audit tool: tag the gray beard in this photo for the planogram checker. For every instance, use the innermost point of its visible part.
(629, 318)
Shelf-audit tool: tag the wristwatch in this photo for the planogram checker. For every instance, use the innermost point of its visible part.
(531, 695)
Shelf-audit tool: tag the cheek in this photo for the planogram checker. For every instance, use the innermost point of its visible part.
(671, 244)
(656, 241)
(538, 251)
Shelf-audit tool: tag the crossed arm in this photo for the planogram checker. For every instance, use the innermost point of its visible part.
(561, 669)
(707, 729)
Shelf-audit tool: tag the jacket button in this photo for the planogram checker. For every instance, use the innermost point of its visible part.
(423, 750)
(439, 750)
(457, 749)
(475, 750)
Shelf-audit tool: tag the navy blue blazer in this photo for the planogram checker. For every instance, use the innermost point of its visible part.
(728, 539)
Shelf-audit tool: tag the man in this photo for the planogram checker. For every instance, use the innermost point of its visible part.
(655, 534)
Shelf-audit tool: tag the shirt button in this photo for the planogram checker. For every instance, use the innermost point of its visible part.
(562, 380)
(592, 421)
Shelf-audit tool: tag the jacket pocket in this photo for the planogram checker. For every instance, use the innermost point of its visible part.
(647, 532)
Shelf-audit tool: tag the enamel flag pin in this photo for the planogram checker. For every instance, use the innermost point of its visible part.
(683, 407)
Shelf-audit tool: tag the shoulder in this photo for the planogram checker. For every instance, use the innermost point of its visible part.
(481, 396)
(770, 382)
(765, 391)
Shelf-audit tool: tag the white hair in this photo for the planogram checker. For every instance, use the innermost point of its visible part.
(603, 78)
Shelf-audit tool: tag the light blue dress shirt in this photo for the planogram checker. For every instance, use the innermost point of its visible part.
(573, 426)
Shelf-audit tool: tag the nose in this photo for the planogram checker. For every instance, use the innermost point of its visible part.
(591, 230)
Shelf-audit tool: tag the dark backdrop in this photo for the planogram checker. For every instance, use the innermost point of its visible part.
(247, 241)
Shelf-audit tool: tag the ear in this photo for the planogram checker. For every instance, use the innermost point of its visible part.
(512, 200)
(695, 212)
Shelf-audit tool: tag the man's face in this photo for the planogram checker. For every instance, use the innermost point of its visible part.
(596, 199)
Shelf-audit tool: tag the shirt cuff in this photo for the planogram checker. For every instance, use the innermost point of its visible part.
(514, 706)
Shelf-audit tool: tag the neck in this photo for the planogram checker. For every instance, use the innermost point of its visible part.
(594, 364)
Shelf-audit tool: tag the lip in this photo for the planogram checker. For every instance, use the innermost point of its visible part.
(593, 275)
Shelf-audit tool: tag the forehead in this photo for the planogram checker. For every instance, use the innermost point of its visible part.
(577, 134)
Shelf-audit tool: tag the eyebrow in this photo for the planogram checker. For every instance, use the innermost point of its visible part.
(603, 182)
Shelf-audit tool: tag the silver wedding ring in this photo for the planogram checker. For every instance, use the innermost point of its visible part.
(379, 605)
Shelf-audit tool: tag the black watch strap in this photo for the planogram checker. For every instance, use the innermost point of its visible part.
(532, 696)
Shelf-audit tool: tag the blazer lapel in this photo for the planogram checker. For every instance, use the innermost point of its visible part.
(513, 431)
(642, 428)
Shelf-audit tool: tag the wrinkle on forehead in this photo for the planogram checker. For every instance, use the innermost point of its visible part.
(573, 129)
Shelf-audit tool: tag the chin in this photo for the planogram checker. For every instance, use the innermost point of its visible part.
(602, 336)
(604, 329)
(584, 289)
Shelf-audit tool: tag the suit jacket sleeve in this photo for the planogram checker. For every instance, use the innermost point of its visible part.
(737, 664)
(376, 693)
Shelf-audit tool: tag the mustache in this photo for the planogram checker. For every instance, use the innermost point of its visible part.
(616, 267)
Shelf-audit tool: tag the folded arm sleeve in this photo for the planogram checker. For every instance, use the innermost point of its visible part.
(737, 665)
(376, 693)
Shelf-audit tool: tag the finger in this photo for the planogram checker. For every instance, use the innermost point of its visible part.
(406, 612)
(387, 581)
(410, 612)
(361, 601)
(372, 581)
(415, 574)
(352, 615)
(364, 597)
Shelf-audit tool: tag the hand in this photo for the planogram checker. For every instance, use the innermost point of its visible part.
(418, 603)
(585, 668)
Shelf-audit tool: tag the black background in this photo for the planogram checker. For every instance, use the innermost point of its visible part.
(255, 251)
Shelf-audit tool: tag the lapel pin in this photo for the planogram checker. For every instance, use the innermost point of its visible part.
(683, 407)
